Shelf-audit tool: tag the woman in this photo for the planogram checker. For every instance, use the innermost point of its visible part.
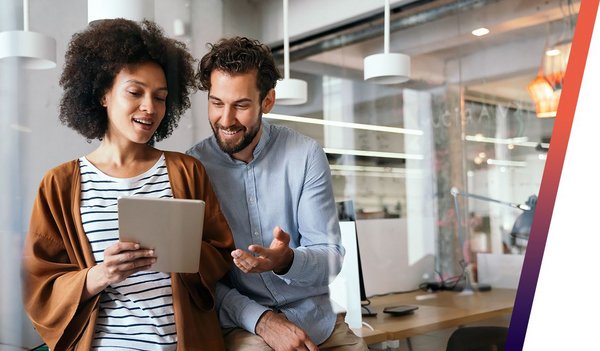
(127, 85)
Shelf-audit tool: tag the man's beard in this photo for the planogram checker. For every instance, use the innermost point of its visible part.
(249, 136)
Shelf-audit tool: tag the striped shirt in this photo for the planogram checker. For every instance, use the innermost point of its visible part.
(137, 313)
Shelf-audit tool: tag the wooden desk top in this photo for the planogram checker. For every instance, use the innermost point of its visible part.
(441, 310)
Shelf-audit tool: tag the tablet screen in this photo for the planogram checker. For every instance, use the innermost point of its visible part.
(172, 227)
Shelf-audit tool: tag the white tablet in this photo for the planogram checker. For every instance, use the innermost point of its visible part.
(172, 227)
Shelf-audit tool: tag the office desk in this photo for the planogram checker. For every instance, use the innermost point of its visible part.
(436, 311)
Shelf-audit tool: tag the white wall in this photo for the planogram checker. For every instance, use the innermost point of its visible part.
(391, 259)
(38, 143)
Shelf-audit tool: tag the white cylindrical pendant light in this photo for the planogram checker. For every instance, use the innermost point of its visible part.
(387, 68)
(289, 91)
(135, 10)
(32, 50)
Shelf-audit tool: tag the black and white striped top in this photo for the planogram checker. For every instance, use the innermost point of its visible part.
(137, 313)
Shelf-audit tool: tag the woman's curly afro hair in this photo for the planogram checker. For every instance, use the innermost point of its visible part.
(96, 55)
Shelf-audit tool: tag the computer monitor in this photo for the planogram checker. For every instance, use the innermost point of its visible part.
(346, 212)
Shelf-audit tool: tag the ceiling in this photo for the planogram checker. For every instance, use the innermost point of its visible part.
(443, 50)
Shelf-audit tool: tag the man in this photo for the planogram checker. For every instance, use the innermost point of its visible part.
(274, 188)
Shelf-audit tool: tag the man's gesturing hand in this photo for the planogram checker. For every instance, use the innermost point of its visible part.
(283, 335)
(277, 258)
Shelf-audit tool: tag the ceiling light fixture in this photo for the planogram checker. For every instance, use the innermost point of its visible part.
(546, 88)
(518, 141)
(289, 91)
(376, 169)
(372, 174)
(479, 32)
(506, 163)
(32, 50)
(387, 68)
(350, 125)
(396, 155)
(135, 10)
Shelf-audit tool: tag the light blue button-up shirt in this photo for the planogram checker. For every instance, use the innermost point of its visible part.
(287, 184)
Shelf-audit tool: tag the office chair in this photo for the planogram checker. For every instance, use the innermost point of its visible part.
(478, 339)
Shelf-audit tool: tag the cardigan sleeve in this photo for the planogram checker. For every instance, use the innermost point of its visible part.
(53, 279)
(191, 181)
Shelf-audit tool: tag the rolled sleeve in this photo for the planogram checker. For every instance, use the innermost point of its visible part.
(307, 269)
(237, 310)
(298, 268)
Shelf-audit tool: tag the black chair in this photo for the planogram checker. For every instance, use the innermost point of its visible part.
(478, 339)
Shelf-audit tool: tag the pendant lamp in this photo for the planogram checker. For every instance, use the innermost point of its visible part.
(135, 10)
(546, 88)
(289, 91)
(32, 50)
(387, 68)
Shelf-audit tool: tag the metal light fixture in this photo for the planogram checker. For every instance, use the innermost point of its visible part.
(135, 10)
(546, 88)
(289, 91)
(387, 68)
(32, 50)
(519, 234)
(544, 96)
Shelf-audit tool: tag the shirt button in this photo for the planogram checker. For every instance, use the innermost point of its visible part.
(255, 233)
(251, 199)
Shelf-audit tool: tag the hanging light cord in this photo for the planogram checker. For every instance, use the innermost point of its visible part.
(26, 15)
(386, 28)
(286, 42)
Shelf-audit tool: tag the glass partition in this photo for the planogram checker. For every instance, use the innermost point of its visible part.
(465, 121)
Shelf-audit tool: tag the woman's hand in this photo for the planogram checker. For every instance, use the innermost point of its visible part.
(120, 261)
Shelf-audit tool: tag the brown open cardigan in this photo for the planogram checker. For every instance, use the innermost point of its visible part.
(58, 256)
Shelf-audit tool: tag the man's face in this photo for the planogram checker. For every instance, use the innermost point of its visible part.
(235, 111)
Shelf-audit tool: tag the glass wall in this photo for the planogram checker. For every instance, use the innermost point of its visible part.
(464, 126)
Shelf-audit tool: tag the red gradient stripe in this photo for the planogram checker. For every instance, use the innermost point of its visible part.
(552, 172)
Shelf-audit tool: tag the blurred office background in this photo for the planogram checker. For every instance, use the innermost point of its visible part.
(465, 119)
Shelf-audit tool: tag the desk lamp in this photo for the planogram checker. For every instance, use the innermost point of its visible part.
(519, 235)
(519, 227)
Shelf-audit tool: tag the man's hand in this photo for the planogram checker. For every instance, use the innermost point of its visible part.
(281, 334)
(277, 258)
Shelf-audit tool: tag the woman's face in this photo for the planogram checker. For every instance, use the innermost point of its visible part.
(136, 103)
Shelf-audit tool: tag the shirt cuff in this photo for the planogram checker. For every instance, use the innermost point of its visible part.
(297, 268)
(250, 316)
